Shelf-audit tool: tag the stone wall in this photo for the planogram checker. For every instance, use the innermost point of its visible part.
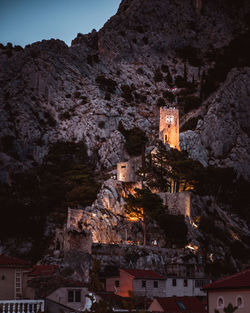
(134, 256)
(178, 202)
(169, 126)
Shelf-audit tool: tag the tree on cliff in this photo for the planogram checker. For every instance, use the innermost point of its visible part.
(143, 201)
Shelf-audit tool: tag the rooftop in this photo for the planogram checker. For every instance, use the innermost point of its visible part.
(238, 280)
(43, 270)
(181, 304)
(143, 274)
(7, 261)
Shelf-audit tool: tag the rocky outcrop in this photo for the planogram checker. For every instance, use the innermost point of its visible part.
(221, 137)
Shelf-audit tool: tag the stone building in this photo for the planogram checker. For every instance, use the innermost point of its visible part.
(169, 127)
(126, 171)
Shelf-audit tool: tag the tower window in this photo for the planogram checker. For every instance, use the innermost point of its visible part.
(174, 282)
(155, 284)
(143, 283)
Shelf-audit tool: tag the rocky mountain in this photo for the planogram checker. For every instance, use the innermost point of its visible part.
(51, 92)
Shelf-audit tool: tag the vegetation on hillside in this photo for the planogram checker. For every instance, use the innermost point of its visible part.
(173, 226)
(135, 139)
(66, 178)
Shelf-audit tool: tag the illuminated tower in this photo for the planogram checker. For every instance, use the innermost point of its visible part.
(169, 127)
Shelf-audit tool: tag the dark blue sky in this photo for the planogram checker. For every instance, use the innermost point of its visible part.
(25, 21)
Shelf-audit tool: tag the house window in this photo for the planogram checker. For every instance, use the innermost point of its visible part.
(117, 283)
(74, 295)
(239, 302)
(174, 282)
(143, 283)
(185, 283)
(220, 303)
(199, 283)
(155, 284)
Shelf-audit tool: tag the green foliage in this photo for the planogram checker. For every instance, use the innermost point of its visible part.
(158, 77)
(190, 124)
(7, 142)
(175, 229)
(230, 308)
(65, 178)
(174, 226)
(92, 58)
(95, 283)
(101, 124)
(50, 119)
(106, 84)
(189, 102)
(127, 92)
(169, 96)
(150, 202)
(191, 54)
(172, 165)
(135, 139)
(236, 54)
(161, 102)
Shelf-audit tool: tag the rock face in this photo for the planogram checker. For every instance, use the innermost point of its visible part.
(222, 136)
(50, 92)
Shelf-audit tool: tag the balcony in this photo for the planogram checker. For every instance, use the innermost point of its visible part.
(21, 306)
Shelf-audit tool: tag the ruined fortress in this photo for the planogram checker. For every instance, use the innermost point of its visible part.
(178, 203)
(107, 221)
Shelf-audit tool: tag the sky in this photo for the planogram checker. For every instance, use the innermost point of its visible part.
(26, 21)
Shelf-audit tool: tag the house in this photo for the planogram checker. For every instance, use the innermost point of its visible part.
(12, 284)
(234, 289)
(142, 283)
(67, 298)
(185, 279)
(177, 305)
(185, 286)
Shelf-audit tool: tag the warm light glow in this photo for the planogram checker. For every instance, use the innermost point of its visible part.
(193, 224)
(192, 247)
(136, 216)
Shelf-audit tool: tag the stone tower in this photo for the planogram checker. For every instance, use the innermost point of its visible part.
(169, 127)
(126, 171)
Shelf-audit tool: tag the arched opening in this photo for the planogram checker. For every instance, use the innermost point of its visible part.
(220, 303)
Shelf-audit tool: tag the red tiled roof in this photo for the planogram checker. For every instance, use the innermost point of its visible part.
(143, 274)
(12, 262)
(238, 280)
(191, 304)
(43, 270)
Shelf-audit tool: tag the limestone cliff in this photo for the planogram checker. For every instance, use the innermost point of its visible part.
(125, 72)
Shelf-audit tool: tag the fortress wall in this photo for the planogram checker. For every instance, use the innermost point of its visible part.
(178, 203)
